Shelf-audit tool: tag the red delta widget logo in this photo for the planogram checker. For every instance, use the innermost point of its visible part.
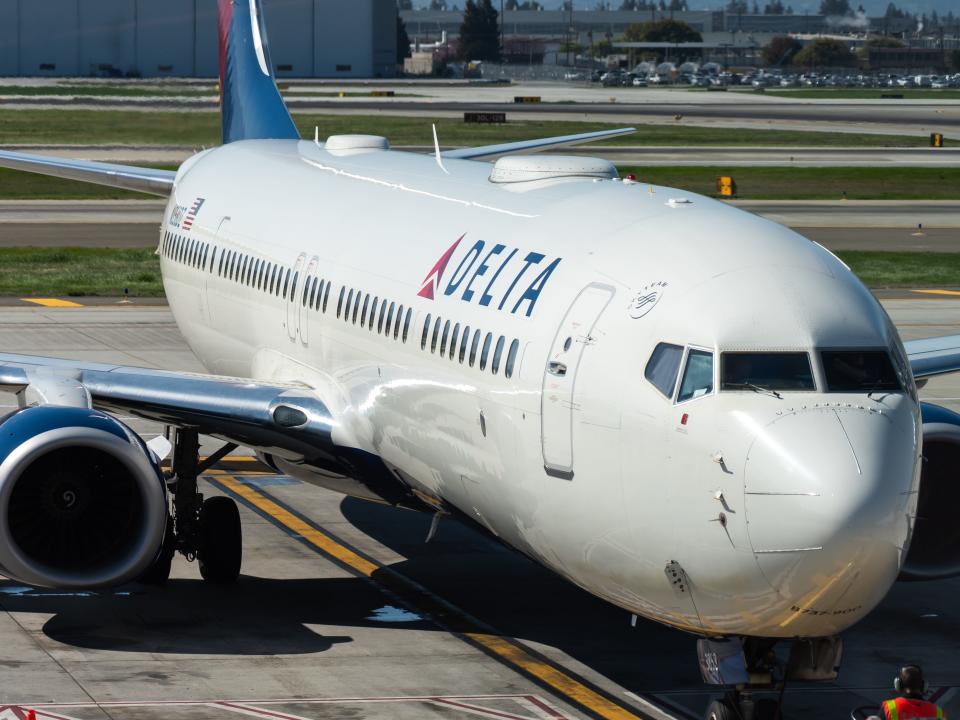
(495, 276)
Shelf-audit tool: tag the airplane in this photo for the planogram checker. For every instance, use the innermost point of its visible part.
(691, 412)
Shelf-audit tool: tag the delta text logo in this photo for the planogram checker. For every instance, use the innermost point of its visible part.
(495, 276)
(183, 216)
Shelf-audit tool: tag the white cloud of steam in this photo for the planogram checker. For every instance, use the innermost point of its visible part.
(857, 21)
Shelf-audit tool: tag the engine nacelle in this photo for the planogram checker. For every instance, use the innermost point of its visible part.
(82, 500)
(935, 547)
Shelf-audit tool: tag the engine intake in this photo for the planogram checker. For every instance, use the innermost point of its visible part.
(935, 547)
(82, 501)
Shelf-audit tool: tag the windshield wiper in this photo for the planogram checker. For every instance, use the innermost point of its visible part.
(755, 388)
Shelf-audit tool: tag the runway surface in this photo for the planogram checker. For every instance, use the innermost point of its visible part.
(854, 225)
(639, 155)
(579, 101)
(394, 627)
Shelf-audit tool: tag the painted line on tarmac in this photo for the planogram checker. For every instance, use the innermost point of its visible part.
(52, 302)
(937, 292)
(568, 686)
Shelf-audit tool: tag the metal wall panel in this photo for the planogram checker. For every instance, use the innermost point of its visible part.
(290, 34)
(343, 38)
(49, 37)
(107, 37)
(384, 38)
(9, 39)
(207, 47)
(165, 38)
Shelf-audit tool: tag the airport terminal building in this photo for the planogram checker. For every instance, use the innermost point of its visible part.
(178, 38)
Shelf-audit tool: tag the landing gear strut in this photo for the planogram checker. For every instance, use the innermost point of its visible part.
(207, 530)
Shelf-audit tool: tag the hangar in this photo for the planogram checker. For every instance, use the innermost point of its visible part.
(178, 38)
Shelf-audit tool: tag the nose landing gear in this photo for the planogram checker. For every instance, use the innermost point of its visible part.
(748, 666)
(207, 530)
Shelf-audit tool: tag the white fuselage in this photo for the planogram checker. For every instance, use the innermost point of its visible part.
(735, 512)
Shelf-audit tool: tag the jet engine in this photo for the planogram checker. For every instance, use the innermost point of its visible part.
(935, 548)
(82, 499)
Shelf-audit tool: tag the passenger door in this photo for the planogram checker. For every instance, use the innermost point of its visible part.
(560, 374)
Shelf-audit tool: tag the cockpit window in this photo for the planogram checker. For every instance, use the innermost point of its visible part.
(698, 375)
(663, 367)
(766, 371)
(859, 371)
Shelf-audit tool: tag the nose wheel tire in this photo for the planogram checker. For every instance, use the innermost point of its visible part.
(221, 542)
(721, 710)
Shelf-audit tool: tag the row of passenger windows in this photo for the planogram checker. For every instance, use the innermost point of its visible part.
(447, 338)
(844, 371)
(385, 316)
(186, 251)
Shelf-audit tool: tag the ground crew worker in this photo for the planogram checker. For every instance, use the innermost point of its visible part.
(911, 705)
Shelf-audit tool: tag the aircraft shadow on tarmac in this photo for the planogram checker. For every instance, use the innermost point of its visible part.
(261, 616)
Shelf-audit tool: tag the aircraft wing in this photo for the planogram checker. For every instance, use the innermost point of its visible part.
(285, 419)
(934, 356)
(533, 145)
(127, 177)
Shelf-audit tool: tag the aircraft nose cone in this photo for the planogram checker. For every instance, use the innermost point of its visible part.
(827, 493)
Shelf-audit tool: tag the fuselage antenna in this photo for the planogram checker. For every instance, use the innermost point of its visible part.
(436, 149)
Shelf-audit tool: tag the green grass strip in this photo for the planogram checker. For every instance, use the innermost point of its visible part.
(903, 269)
(73, 272)
(198, 129)
(814, 183)
(68, 272)
(864, 93)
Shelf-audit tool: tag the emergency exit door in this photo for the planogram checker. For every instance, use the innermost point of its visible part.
(293, 310)
(560, 376)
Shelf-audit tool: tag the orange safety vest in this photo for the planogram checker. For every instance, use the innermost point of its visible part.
(907, 709)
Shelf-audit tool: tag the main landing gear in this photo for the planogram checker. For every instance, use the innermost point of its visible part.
(206, 530)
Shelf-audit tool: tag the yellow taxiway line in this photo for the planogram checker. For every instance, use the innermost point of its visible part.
(420, 600)
(51, 302)
(937, 292)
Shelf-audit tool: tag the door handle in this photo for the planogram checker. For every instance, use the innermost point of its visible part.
(557, 368)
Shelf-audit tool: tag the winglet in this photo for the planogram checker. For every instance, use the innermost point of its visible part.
(436, 149)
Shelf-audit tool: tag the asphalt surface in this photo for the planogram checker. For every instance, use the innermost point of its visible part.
(301, 636)
(838, 225)
(623, 155)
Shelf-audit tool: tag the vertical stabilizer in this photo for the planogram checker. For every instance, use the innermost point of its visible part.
(250, 103)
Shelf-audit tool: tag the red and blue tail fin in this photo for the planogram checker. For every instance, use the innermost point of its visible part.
(250, 103)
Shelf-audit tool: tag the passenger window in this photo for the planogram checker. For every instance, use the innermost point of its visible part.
(436, 334)
(346, 312)
(356, 308)
(313, 293)
(463, 344)
(220, 267)
(473, 347)
(426, 332)
(373, 313)
(497, 355)
(340, 302)
(487, 341)
(383, 315)
(453, 341)
(512, 358)
(389, 325)
(697, 377)
(766, 371)
(326, 296)
(306, 291)
(286, 284)
(406, 323)
(443, 340)
(363, 314)
(663, 367)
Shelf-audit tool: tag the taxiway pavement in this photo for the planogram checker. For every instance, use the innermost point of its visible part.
(484, 632)
(838, 225)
